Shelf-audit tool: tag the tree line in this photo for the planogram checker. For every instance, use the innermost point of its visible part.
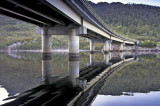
(136, 21)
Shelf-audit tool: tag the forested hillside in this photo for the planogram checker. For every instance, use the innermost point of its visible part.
(133, 20)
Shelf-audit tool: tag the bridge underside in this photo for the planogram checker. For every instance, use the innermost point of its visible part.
(35, 11)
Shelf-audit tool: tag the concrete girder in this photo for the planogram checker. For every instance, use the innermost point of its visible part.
(66, 10)
(63, 30)
(37, 12)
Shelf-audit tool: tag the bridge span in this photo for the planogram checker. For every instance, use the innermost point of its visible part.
(64, 17)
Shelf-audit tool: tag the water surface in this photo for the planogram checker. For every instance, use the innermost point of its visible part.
(114, 79)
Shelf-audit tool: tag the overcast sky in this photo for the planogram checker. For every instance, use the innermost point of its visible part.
(149, 2)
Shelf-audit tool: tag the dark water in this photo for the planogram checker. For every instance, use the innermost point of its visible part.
(100, 80)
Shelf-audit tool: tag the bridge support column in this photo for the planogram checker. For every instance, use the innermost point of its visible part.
(121, 47)
(92, 46)
(110, 47)
(46, 41)
(121, 55)
(106, 47)
(73, 44)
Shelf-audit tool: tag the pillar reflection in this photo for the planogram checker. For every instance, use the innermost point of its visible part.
(91, 59)
(46, 68)
(74, 79)
(73, 66)
(121, 55)
(107, 57)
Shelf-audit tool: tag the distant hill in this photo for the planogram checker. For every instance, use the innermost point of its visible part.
(134, 20)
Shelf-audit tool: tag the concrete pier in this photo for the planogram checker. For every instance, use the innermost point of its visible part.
(92, 46)
(121, 55)
(46, 42)
(73, 44)
(106, 47)
(121, 47)
(110, 47)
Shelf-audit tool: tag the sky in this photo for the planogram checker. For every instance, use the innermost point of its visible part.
(148, 2)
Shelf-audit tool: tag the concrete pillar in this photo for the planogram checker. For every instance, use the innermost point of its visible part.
(121, 47)
(73, 44)
(46, 41)
(73, 66)
(91, 59)
(106, 47)
(92, 46)
(110, 47)
(121, 55)
(110, 55)
(46, 69)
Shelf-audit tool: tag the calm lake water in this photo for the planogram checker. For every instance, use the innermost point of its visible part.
(114, 79)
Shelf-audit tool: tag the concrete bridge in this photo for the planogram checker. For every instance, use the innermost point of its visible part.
(64, 17)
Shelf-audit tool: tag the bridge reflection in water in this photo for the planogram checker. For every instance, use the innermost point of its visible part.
(79, 87)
